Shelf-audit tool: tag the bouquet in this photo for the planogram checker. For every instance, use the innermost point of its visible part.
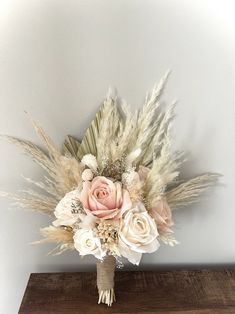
(112, 193)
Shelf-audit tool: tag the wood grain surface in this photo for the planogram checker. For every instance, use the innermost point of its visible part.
(180, 291)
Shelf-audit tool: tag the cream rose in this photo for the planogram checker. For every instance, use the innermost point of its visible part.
(104, 198)
(137, 234)
(67, 210)
(86, 243)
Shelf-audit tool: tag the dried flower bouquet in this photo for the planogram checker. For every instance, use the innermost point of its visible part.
(112, 194)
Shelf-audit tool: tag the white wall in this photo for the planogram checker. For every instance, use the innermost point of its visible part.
(57, 59)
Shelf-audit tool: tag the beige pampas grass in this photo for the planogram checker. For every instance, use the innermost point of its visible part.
(64, 173)
(146, 125)
(108, 128)
(188, 192)
(124, 136)
(32, 150)
(31, 200)
(164, 171)
(63, 237)
(160, 135)
(58, 235)
(122, 132)
(67, 174)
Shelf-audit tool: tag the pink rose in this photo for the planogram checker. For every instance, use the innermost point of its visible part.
(104, 198)
(162, 215)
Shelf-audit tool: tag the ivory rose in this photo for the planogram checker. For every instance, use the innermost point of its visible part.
(86, 243)
(67, 210)
(162, 215)
(137, 234)
(104, 198)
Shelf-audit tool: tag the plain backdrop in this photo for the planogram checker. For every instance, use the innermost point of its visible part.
(57, 60)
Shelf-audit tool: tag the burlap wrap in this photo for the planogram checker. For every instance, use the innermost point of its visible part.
(105, 273)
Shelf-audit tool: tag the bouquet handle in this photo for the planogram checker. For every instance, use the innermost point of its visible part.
(105, 280)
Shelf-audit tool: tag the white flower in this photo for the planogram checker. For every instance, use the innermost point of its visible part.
(67, 211)
(129, 177)
(87, 175)
(88, 221)
(90, 161)
(86, 243)
(137, 234)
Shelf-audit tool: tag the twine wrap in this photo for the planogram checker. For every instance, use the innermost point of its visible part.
(105, 280)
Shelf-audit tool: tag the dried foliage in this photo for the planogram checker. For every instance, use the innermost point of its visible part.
(71, 146)
(32, 150)
(31, 200)
(62, 236)
(147, 124)
(164, 171)
(189, 192)
(64, 171)
(108, 128)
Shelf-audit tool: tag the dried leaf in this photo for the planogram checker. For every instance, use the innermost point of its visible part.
(71, 146)
(88, 144)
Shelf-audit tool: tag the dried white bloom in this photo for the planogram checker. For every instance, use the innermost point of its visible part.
(69, 210)
(107, 232)
(129, 177)
(86, 243)
(87, 175)
(90, 161)
(88, 222)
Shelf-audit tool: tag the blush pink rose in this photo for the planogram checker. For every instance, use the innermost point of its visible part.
(162, 215)
(104, 198)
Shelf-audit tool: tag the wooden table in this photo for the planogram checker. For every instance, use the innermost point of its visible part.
(181, 291)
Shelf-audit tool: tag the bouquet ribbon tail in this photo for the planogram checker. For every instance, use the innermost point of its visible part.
(105, 280)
